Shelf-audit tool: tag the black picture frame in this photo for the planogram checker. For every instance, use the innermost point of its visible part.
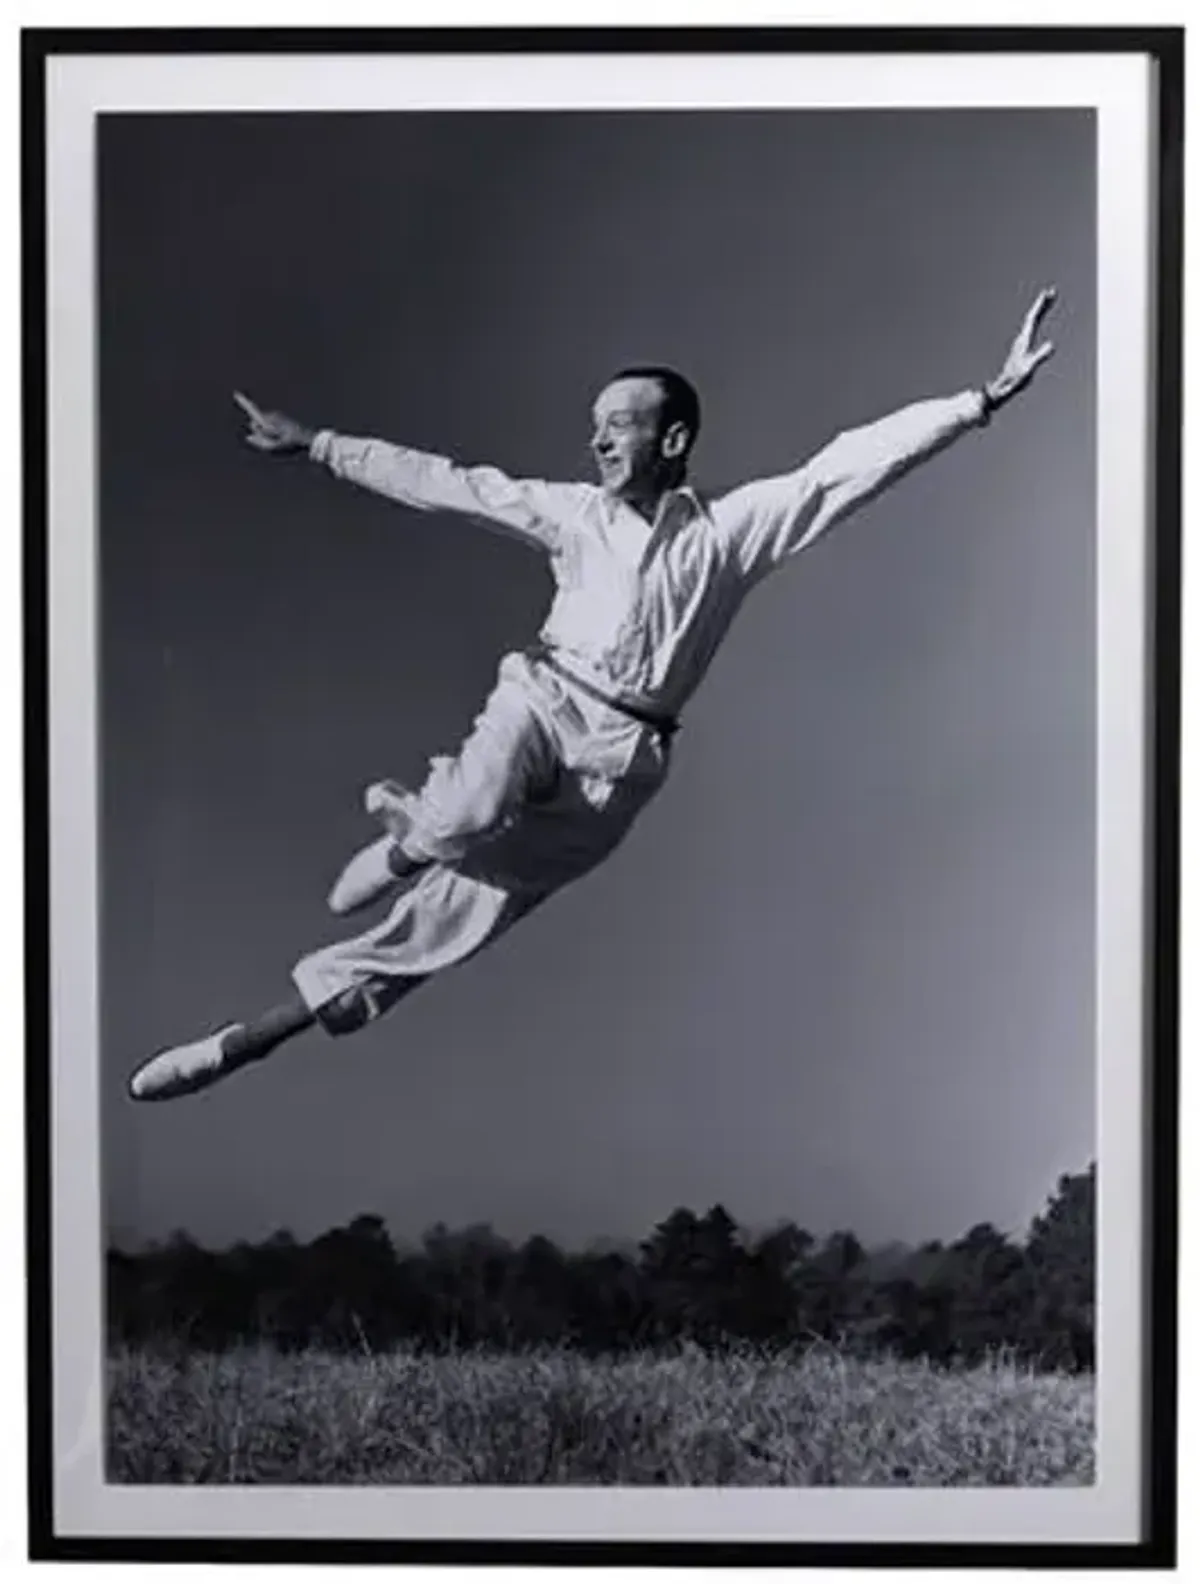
(1163, 48)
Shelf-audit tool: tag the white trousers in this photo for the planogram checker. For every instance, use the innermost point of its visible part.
(545, 787)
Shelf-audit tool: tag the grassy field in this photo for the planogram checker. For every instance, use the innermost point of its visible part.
(255, 1416)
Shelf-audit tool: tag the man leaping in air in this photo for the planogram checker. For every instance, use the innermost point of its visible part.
(575, 738)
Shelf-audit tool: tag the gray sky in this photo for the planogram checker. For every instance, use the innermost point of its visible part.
(841, 970)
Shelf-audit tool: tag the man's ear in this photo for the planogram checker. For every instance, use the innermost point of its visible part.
(675, 440)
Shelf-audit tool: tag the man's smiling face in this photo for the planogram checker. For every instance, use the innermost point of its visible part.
(629, 436)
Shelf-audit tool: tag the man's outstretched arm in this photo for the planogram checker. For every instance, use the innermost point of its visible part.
(775, 518)
(421, 480)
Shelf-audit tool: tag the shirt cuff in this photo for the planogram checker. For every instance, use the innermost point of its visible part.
(321, 445)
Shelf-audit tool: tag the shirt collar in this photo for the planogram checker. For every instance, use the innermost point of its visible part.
(682, 499)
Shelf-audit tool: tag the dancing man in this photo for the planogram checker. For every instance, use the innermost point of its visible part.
(575, 738)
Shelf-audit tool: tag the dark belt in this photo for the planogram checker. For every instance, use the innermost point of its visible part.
(666, 725)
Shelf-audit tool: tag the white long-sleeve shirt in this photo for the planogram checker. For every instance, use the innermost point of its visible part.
(641, 607)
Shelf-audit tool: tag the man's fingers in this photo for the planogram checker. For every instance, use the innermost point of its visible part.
(1041, 307)
(260, 441)
(1037, 313)
(248, 407)
(1038, 357)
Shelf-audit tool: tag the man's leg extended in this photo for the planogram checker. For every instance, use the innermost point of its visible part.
(448, 911)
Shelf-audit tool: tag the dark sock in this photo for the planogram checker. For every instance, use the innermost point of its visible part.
(256, 1039)
(401, 864)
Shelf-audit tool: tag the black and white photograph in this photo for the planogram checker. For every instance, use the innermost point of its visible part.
(594, 753)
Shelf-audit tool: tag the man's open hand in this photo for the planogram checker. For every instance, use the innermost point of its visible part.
(1024, 357)
(272, 431)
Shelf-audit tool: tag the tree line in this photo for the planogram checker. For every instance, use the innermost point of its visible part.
(695, 1277)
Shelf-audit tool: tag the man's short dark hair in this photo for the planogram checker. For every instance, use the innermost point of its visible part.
(681, 399)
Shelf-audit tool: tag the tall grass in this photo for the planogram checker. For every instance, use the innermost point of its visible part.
(254, 1415)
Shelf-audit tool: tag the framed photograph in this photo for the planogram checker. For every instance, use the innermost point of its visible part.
(602, 635)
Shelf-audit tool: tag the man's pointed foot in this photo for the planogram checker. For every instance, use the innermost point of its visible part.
(185, 1069)
(368, 875)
